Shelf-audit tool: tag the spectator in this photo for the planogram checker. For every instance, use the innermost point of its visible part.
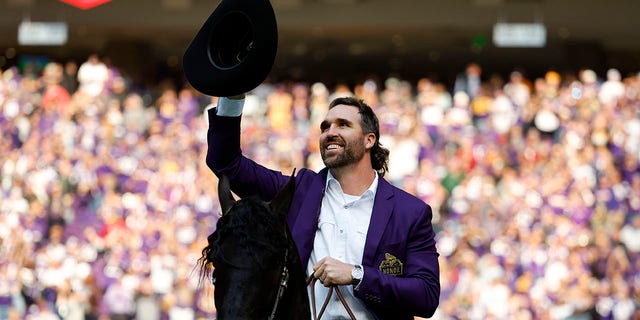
(611, 90)
(119, 301)
(70, 76)
(630, 236)
(93, 75)
(55, 96)
(470, 81)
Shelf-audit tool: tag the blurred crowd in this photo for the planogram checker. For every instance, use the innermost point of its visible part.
(106, 201)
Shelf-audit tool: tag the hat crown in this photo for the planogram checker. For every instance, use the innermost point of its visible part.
(231, 40)
(234, 50)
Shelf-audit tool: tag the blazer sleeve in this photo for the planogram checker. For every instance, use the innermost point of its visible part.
(224, 156)
(417, 291)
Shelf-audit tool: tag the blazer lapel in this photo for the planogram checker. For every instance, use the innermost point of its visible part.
(382, 210)
(306, 223)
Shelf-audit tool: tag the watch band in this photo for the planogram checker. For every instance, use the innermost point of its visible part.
(357, 274)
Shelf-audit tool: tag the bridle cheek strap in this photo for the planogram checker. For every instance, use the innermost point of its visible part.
(312, 281)
(284, 281)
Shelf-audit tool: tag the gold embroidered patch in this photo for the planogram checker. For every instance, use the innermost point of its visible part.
(391, 265)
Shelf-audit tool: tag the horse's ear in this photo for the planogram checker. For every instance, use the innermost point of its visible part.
(224, 194)
(282, 201)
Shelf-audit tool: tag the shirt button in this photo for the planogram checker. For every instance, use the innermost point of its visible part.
(341, 231)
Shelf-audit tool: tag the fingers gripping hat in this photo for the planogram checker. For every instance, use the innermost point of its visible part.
(234, 50)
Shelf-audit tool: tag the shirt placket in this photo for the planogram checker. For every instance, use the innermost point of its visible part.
(341, 215)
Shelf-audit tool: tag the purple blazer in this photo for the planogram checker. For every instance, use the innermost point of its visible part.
(400, 260)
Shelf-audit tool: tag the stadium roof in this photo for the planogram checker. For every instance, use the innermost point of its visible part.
(410, 37)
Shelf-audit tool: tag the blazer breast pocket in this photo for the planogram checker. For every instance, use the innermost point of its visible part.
(390, 259)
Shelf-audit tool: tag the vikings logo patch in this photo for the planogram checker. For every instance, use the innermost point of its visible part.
(391, 265)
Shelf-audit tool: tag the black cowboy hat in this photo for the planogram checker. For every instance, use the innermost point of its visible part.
(234, 50)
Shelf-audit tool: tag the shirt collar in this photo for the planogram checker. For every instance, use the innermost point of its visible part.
(333, 183)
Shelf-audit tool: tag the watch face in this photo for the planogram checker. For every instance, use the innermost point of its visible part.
(356, 273)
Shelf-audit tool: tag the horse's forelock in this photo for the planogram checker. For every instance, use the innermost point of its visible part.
(253, 225)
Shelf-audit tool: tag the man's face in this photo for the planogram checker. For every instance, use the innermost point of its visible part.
(342, 141)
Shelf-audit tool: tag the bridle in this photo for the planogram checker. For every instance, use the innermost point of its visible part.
(284, 281)
(284, 275)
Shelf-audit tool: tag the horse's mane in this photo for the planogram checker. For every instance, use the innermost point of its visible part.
(254, 226)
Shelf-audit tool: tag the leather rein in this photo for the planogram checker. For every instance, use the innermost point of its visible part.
(312, 281)
(284, 281)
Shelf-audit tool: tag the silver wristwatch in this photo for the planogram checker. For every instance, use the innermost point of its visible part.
(356, 275)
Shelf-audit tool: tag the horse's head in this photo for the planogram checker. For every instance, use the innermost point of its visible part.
(248, 253)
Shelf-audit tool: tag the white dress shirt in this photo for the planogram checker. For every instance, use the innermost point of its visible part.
(342, 231)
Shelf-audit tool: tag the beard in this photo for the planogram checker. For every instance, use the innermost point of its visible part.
(352, 152)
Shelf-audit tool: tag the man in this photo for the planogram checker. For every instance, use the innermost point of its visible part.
(352, 228)
(470, 81)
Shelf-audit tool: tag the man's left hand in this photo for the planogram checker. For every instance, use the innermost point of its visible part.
(331, 271)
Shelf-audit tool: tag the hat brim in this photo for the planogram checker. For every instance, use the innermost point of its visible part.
(234, 50)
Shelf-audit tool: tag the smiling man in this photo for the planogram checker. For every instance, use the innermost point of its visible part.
(352, 228)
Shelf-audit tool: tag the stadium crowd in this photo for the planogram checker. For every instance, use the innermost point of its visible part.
(106, 201)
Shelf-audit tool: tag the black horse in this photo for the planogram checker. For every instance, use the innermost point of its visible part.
(253, 261)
